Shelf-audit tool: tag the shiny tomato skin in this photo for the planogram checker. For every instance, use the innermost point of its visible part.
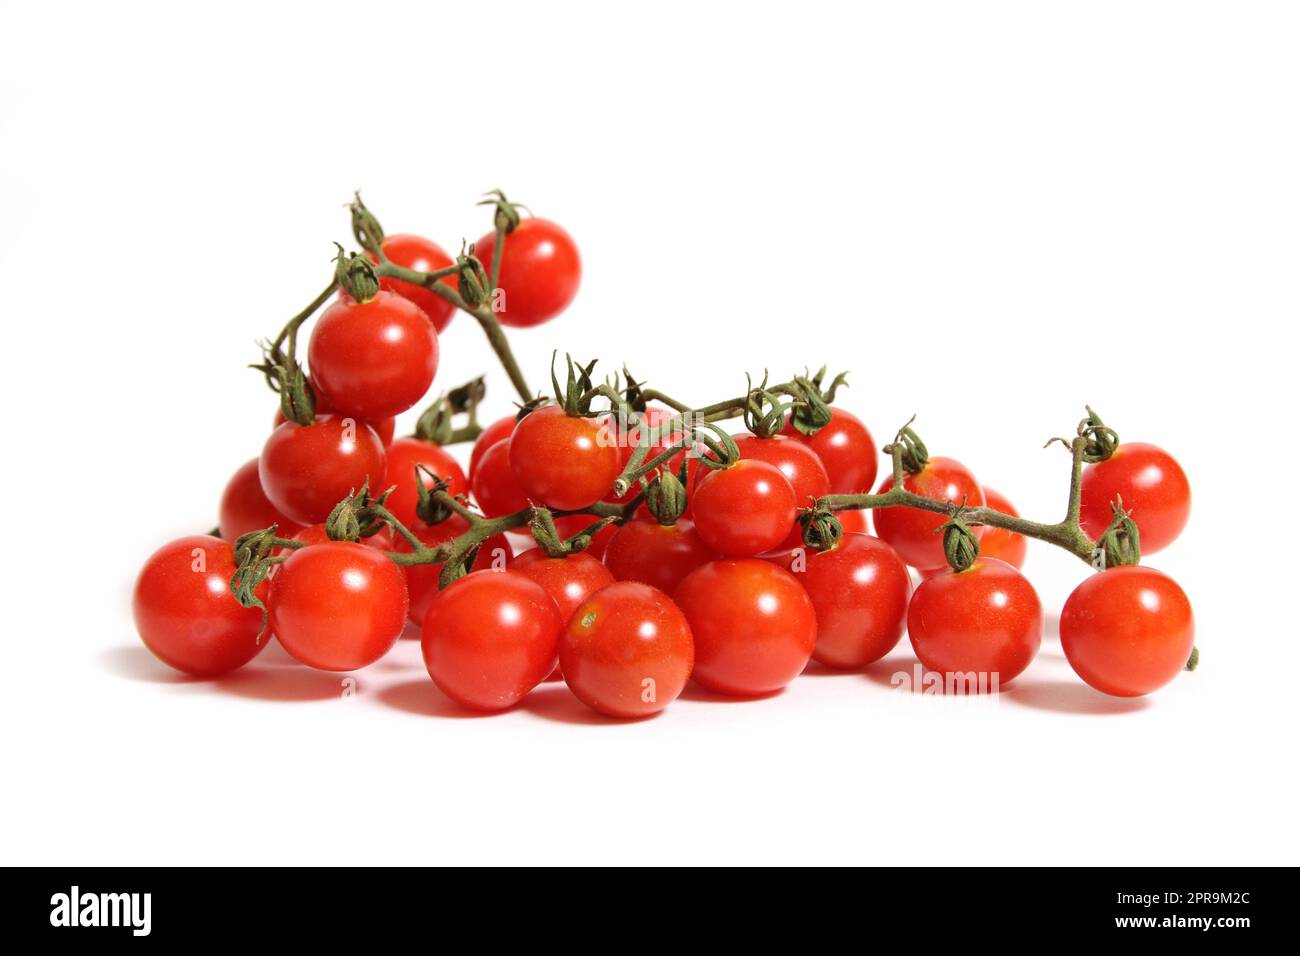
(186, 614)
(853, 522)
(400, 474)
(422, 255)
(385, 428)
(627, 651)
(494, 485)
(986, 620)
(318, 534)
(539, 275)
(422, 579)
(910, 531)
(1154, 489)
(338, 606)
(374, 358)
(244, 507)
(754, 625)
(308, 469)
(569, 580)
(659, 555)
(490, 638)
(499, 430)
(800, 465)
(999, 543)
(744, 509)
(564, 461)
(860, 591)
(846, 449)
(1128, 630)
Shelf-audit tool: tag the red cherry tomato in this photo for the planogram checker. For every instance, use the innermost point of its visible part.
(308, 469)
(490, 638)
(1128, 630)
(422, 579)
(383, 427)
(375, 358)
(853, 522)
(910, 531)
(423, 255)
(403, 457)
(800, 465)
(744, 509)
(338, 606)
(1154, 490)
(659, 555)
(569, 525)
(859, 589)
(998, 542)
(539, 274)
(976, 625)
(245, 508)
(494, 485)
(754, 626)
(499, 430)
(186, 614)
(569, 580)
(627, 651)
(564, 461)
(847, 450)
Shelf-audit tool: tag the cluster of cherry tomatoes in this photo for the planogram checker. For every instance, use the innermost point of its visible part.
(707, 578)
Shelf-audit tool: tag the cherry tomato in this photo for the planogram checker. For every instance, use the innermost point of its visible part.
(627, 650)
(569, 525)
(383, 427)
(977, 625)
(490, 638)
(497, 431)
(494, 485)
(308, 469)
(338, 606)
(569, 580)
(659, 555)
(564, 461)
(910, 531)
(846, 449)
(375, 358)
(800, 465)
(539, 274)
(403, 457)
(422, 579)
(853, 521)
(245, 508)
(186, 614)
(744, 509)
(1128, 630)
(1154, 490)
(754, 626)
(998, 542)
(859, 589)
(422, 255)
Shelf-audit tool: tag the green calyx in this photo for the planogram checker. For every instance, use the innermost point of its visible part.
(429, 506)
(720, 450)
(541, 523)
(960, 546)
(354, 517)
(1101, 440)
(365, 227)
(1119, 544)
(473, 283)
(665, 496)
(576, 394)
(356, 275)
(811, 410)
(822, 531)
(506, 217)
(915, 455)
(764, 412)
(255, 556)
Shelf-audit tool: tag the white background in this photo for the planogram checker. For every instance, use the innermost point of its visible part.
(991, 213)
